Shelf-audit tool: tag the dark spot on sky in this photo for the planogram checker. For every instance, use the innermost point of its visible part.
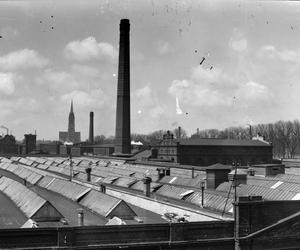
(0, 36)
(52, 27)
(196, 51)
(51, 16)
(203, 59)
(40, 21)
(180, 32)
(186, 113)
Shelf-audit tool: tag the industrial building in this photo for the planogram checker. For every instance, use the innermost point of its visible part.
(204, 152)
(116, 192)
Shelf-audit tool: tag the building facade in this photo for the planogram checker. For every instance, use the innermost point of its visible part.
(71, 135)
(204, 152)
(8, 145)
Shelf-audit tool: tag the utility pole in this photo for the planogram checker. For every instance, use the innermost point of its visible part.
(236, 217)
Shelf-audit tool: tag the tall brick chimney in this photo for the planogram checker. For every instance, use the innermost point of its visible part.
(91, 131)
(122, 136)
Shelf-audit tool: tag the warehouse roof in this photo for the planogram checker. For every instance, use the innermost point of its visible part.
(221, 142)
(26, 200)
(107, 205)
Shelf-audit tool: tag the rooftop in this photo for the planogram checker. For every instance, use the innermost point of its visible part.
(222, 142)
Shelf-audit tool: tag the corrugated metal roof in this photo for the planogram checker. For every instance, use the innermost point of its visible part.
(37, 159)
(110, 179)
(139, 185)
(24, 173)
(28, 201)
(68, 189)
(45, 181)
(42, 166)
(99, 202)
(4, 159)
(105, 205)
(125, 181)
(15, 158)
(265, 192)
(211, 201)
(171, 191)
(188, 182)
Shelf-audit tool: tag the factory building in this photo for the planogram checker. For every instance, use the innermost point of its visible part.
(204, 152)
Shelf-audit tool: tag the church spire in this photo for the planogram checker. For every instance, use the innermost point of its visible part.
(71, 111)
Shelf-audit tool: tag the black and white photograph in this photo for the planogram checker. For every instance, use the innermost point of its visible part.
(150, 124)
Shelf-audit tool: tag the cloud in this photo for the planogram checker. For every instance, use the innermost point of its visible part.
(22, 59)
(253, 91)
(27, 104)
(163, 47)
(85, 70)
(9, 32)
(270, 51)
(90, 49)
(238, 42)
(94, 98)
(205, 88)
(146, 101)
(59, 81)
(193, 94)
(7, 86)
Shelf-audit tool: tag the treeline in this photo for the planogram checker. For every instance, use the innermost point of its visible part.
(284, 136)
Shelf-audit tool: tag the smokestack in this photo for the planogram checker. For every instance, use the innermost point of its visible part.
(122, 138)
(91, 132)
(198, 131)
(147, 188)
(179, 132)
(88, 174)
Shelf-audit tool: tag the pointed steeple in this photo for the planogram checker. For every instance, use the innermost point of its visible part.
(71, 111)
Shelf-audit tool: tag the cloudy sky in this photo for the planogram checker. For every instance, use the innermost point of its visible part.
(55, 51)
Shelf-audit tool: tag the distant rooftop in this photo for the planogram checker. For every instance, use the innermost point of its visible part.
(221, 142)
(219, 166)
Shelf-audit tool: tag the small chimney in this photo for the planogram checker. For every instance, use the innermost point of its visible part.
(216, 174)
(161, 173)
(193, 172)
(80, 217)
(251, 171)
(168, 172)
(88, 174)
(91, 132)
(179, 132)
(103, 188)
(147, 181)
(198, 131)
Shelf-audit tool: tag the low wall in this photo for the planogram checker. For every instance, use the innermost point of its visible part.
(217, 235)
